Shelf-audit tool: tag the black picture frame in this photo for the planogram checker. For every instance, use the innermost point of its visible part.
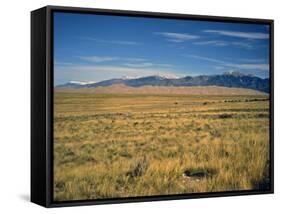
(42, 105)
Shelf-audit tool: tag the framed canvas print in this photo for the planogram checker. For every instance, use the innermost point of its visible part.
(140, 106)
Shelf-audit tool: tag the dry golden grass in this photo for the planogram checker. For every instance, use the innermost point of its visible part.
(108, 146)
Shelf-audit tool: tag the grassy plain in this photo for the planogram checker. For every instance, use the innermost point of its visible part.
(108, 146)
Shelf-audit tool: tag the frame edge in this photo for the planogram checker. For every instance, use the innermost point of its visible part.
(38, 107)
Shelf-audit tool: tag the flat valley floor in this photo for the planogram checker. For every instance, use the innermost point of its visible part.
(118, 145)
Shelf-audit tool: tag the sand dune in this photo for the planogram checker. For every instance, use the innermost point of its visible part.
(192, 90)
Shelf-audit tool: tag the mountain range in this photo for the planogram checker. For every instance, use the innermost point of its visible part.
(228, 79)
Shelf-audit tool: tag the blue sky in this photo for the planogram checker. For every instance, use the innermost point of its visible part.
(97, 47)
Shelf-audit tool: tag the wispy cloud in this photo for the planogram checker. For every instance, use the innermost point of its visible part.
(263, 67)
(212, 42)
(205, 58)
(218, 67)
(221, 43)
(222, 63)
(252, 60)
(126, 61)
(63, 63)
(242, 44)
(240, 34)
(98, 58)
(116, 42)
(177, 37)
(147, 64)
(248, 60)
(98, 73)
(133, 59)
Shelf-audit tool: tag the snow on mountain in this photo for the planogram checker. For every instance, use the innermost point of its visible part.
(81, 82)
(130, 77)
(168, 76)
(229, 79)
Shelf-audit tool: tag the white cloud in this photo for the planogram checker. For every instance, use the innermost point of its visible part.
(127, 61)
(177, 37)
(98, 58)
(242, 44)
(221, 43)
(218, 67)
(139, 65)
(247, 35)
(252, 60)
(264, 67)
(212, 42)
(147, 64)
(250, 66)
(134, 59)
(116, 42)
(205, 58)
(86, 73)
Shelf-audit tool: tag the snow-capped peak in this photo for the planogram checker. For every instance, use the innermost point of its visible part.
(81, 82)
(167, 76)
(130, 77)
